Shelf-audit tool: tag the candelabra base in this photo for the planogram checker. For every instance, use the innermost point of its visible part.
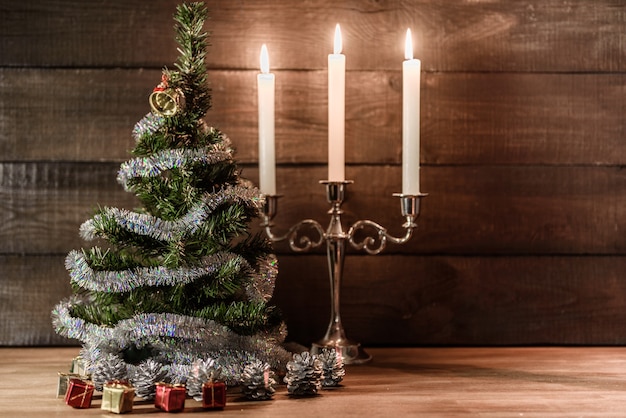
(351, 352)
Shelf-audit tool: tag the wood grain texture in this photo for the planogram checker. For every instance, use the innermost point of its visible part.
(470, 211)
(501, 118)
(449, 35)
(399, 300)
(43, 205)
(30, 287)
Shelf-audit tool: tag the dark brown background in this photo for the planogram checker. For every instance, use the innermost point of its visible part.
(521, 240)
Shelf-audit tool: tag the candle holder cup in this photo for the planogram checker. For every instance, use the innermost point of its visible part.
(336, 239)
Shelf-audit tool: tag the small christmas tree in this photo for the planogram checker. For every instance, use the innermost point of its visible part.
(181, 278)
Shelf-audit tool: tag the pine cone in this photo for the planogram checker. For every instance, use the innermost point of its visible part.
(145, 376)
(304, 375)
(257, 380)
(332, 367)
(108, 367)
(202, 371)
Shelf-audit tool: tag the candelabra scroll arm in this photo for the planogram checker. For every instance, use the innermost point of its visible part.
(369, 242)
(297, 242)
(410, 207)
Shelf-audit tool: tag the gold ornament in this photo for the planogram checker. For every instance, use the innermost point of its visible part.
(166, 101)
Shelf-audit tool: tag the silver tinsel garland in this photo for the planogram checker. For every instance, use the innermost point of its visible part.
(179, 340)
(164, 160)
(173, 158)
(259, 289)
(84, 276)
(159, 229)
(148, 125)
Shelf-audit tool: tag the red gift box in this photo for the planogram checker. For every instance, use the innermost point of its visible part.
(170, 398)
(79, 393)
(214, 395)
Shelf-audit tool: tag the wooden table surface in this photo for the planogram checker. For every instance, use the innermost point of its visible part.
(425, 382)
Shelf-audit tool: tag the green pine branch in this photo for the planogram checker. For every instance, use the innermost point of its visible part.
(243, 318)
(173, 137)
(191, 74)
(226, 223)
(172, 194)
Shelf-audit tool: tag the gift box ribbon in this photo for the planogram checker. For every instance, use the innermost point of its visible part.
(119, 384)
(213, 404)
(86, 391)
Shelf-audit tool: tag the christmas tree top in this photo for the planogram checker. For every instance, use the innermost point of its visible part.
(181, 280)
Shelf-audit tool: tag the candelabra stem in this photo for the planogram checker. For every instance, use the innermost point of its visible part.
(336, 256)
(335, 337)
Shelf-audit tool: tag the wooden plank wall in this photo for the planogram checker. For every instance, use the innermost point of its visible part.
(521, 240)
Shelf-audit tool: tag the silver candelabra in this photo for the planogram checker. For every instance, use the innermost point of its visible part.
(336, 238)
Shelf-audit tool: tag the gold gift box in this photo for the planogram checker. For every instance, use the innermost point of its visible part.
(118, 397)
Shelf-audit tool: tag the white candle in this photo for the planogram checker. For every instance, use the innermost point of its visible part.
(336, 111)
(410, 120)
(267, 158)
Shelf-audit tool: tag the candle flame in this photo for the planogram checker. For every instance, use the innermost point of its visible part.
(265, 60)
(408, 46)
(338, 45)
